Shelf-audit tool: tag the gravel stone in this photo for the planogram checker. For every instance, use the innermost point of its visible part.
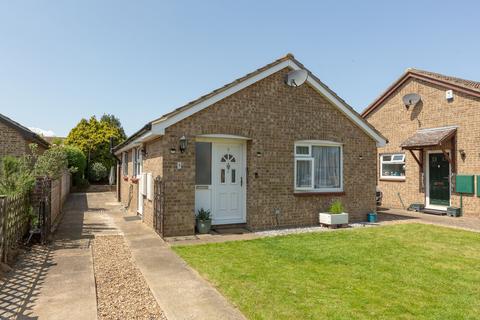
(122, 292)
(282, 232)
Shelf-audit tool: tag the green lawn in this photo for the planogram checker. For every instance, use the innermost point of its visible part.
(405, 271)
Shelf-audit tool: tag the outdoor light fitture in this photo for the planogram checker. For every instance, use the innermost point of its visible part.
(183, 144)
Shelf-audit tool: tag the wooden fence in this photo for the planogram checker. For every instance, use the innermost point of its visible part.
(16, 212)
(14, 221)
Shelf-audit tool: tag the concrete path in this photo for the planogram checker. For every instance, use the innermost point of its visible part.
(68, 291)
(57, 282)
(179, 290)
(394, 216)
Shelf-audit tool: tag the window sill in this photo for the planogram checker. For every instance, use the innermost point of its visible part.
(393, 179)
(318, 193)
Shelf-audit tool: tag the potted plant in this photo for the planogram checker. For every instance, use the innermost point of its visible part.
(134, 179)
(204, 221)
(335, 215)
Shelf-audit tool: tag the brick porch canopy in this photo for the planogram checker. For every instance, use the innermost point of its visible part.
(428, 138)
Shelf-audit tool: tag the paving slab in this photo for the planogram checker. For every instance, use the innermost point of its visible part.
(388, 216)
(180, 291)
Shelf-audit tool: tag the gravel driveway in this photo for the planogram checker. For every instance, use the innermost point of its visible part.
(122, 292)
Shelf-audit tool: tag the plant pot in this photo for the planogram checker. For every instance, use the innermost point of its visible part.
(204, 226)
(134, 180)
(372, 217)
(333, 219)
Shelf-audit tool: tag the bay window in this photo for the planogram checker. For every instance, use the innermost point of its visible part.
(318, 166)
(392, 166)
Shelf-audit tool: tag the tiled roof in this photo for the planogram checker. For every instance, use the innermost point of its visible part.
(221, 89)
(470, 84)
(190, 104)
(428, 137)
(467, 86)
(26, 133)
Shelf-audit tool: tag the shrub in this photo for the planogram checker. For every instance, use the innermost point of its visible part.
(52, 163)
(77, 163)
(98, 172)
(336, 207)
(203, 215)
(15, 175)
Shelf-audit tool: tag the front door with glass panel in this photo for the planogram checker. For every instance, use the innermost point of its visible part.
(228, 182)
(438, 191)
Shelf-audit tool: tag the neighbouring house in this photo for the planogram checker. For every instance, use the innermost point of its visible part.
(255, 152)
(55, 140)
(432, 123)
(15, 138)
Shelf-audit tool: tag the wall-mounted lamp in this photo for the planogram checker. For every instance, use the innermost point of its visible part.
(183, 144)
(144, 152)
(259, 154)
(463, 155)
(173, 150)
(360, 157)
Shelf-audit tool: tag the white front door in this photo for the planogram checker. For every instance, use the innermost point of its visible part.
(228, 183)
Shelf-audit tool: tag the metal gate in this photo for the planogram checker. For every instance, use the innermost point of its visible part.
(159, 205)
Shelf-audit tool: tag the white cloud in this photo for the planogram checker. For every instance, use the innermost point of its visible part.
(42, 132)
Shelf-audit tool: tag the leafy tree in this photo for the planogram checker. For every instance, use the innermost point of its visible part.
(52, 163)
(93, 138)
(16, 175)
(57, 141)
(77, 163)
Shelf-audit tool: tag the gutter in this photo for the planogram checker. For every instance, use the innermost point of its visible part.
(146, 128)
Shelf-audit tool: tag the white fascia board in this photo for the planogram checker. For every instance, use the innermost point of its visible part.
(136, 143)
(159, 127)
(381, 142)
(127, 147)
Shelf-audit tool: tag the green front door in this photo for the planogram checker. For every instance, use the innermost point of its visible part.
(439, 181)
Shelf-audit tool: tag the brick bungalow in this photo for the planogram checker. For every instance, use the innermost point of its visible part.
(431, 143)
(256, 152)
(15, 138)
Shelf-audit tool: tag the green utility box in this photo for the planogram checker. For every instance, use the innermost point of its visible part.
(478, 184)
(465, 184)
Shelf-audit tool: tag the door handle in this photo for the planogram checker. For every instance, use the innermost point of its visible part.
(241, 181)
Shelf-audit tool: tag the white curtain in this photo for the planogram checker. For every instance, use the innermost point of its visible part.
(326, 166)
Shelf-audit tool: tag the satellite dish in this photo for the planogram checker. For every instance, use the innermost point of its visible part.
(296, 78)
(411, 99)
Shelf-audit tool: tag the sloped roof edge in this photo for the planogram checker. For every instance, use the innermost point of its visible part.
(462, 85)
(24, 131)
(159, 125)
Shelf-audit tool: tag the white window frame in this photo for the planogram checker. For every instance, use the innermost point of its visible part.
(137, 162)
(403, 161)
(134, 162)
(125, 163)
(309, 157)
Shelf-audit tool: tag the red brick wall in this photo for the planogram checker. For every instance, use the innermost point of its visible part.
(274, 116)
(397, 123)
(13, 143)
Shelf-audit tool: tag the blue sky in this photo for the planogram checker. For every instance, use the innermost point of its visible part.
(64, 60)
